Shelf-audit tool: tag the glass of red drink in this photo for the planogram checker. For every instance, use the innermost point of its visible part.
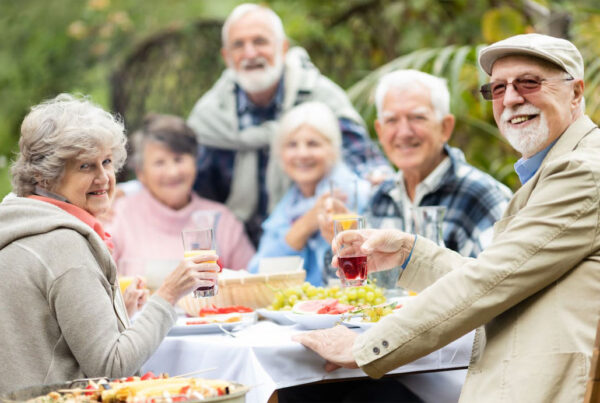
(352, 262)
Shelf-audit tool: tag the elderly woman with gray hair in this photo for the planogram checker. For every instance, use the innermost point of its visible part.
(62, 315)
(308, 147)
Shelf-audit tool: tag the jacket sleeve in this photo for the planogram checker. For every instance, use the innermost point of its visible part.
(89, 324)
(272, 242)
(538, 245)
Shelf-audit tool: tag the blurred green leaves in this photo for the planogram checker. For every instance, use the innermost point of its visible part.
(500, 23)
(77, 45)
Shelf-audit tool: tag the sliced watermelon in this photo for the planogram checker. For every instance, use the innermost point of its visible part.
(329, 306)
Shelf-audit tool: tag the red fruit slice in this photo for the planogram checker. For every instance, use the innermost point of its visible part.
(328, 306)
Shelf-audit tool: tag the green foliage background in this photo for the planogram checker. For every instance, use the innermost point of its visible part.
(78, 45)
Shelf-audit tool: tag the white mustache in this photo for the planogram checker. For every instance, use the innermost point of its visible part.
(526, 109)
(258, 61)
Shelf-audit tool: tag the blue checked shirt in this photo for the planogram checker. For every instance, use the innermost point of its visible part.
(474, 202)
(215, 166)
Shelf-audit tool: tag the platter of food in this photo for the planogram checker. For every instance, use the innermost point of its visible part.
(148, 388)
(212, 324)
(318, 307)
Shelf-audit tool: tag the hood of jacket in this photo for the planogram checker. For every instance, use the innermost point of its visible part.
(21, 217)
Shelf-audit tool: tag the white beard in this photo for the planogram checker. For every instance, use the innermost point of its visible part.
(528, 140)
(260, 79)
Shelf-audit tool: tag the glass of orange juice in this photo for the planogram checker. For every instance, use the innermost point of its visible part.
(124, 282)
(200, 242)
(348, 194)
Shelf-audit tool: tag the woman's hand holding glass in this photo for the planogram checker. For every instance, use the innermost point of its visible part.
(385, 249)
(191, 273)
(306, 225)
(331, 207)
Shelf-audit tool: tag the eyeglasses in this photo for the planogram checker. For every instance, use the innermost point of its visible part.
(523, 85)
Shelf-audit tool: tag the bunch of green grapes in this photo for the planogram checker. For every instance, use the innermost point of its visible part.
(367, 294)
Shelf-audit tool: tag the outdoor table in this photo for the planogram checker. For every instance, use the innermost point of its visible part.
(264, 357)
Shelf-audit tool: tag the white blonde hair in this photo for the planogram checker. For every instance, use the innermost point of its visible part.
(406, 80)
(246, 8)
(315, 115)
(59, 130)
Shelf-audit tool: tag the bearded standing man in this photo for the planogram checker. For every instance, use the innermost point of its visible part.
(536, 287)
(236, 119)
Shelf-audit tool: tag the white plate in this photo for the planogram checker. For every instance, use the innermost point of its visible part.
(184, 324)
(357, 321)
(276, 316)
(399, 300)
(315, 320)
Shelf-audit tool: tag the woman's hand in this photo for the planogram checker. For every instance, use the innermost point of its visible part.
(191, 273)
(385, 249)
(329, 207)
(135, 296)
(304, 227)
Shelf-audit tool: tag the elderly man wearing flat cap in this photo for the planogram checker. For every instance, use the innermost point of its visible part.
(536, 288)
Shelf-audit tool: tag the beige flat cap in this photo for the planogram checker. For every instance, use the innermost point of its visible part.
(555, 50)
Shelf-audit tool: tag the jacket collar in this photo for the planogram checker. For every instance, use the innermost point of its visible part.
(567, 142)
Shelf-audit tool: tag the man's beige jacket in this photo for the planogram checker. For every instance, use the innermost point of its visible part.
(536, 289)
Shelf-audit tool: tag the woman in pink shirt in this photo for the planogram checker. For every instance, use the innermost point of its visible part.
(147, 225)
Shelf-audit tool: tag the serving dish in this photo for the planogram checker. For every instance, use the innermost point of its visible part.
(215, 323)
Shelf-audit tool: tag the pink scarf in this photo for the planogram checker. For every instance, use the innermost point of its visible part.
(82, 215)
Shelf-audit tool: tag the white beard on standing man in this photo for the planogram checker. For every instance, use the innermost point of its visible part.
(256, 74)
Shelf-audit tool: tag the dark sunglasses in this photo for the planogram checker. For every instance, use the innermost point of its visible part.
(523, 85)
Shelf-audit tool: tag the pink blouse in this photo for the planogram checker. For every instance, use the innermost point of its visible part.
(144, 228)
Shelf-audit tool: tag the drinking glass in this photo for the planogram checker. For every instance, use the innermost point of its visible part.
(428, 221)
(206, 219)
(387, 279)
(200, 242)
(350, 190)
(352, 263)
(124, 282)
(128, 269)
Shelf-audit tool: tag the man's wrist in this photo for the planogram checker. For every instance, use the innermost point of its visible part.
(403, 266)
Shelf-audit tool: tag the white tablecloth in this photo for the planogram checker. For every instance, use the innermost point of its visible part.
(264, 357)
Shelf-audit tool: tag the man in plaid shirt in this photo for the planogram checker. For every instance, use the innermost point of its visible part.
(414, 124)
(236, 119)
(473, 201)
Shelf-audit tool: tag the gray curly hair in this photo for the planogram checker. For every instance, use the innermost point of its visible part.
(58, 130)
(169, 130)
